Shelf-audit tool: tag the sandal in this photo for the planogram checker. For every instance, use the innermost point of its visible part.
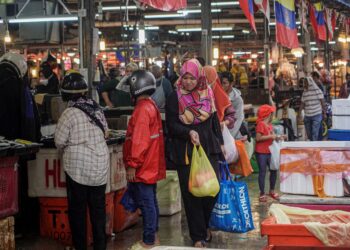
(200, 244)
(209, 236)
(274, 196)
(263, 198)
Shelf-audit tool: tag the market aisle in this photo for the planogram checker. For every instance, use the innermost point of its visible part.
(174, 232)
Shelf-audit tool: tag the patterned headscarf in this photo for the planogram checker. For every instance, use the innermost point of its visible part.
(92, 110)
(222, 101)
(197, 105)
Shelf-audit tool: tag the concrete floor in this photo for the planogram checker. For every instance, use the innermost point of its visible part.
(173, 231)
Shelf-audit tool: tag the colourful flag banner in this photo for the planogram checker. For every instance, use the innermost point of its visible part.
(303, 12)
(166, 5)
(331, 19)
(318, 22)
(264, 7)
(286, 28)
(247, 7)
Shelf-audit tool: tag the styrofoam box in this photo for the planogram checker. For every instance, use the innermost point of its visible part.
(168, 194)
(46, 177)
(316, 144)
(341, 122)
(341, 107)
(118, 173)
(297, 183)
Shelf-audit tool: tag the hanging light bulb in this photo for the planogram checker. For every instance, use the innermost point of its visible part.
(7, 37)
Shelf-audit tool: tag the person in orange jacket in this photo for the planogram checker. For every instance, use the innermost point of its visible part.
(143, 154)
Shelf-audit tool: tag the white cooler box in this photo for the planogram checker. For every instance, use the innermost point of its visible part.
(297, 183)
(341, 122)
(341, 107)
(168, 194)
(332, 153)
(341, 114)
(46, 177)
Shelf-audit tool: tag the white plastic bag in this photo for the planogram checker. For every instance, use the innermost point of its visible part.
(275, 155)
(230, 146)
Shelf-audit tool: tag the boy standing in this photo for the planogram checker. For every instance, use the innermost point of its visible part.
(143, 154)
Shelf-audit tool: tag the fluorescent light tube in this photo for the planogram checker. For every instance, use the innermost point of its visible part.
(195, 11)
(194, 29)
(314, 49)
(164, 16)
(245, 31)
(142, 37)
(221, 28)
(225, 3)
(228, 36)
(312, 43)
(43, 19)
(215, 37)
(131, 7)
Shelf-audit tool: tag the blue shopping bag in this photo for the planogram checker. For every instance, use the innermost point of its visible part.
(128, 201)
(232, 212)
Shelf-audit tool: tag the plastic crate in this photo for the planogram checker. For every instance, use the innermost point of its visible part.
(281, 236)
(8, 186)
(54, 222)
(339, 135)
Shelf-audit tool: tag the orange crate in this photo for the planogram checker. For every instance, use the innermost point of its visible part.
(289, 236)
(54, 222)
(122, 218)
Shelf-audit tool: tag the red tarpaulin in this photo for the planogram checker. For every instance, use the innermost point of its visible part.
(166, 5)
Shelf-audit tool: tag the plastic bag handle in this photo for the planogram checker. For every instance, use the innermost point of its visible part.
(224, 171)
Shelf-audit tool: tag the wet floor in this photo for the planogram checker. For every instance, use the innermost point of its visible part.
(173, 231)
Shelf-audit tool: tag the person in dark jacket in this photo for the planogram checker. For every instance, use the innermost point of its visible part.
(18, 111)
(50, 83)
(192, 120)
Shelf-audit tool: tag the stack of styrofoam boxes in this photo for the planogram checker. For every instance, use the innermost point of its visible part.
(46, 180)
(331, 153)
(341, 114)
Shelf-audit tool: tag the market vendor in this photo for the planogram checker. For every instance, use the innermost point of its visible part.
(49, 84)
(113, 97)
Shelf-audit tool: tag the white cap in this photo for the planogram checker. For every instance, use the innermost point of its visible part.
(18, 60)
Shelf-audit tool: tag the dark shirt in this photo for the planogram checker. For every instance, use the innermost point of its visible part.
(178, 138)
(51, 88)
(118, 97)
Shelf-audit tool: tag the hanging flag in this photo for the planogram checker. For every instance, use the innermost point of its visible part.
(318, 21)
(264, 7)
(331, 19)
(286, 28)
(247, 7)
(166, 5)
(303, 11)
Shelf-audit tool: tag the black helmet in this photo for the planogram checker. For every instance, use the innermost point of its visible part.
(73, 86)
(142, 82)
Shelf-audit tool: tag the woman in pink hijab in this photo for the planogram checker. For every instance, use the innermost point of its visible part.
(191, 119)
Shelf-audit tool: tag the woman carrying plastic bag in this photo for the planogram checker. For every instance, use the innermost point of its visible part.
(203, 181)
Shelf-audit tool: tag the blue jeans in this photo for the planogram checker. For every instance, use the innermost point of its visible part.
(312, 126)
(263, 161)
(146, 199)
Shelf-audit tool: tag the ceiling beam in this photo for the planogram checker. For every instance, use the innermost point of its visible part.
(179, 22)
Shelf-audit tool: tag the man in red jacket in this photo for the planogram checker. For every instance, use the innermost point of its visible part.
(143, 154)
